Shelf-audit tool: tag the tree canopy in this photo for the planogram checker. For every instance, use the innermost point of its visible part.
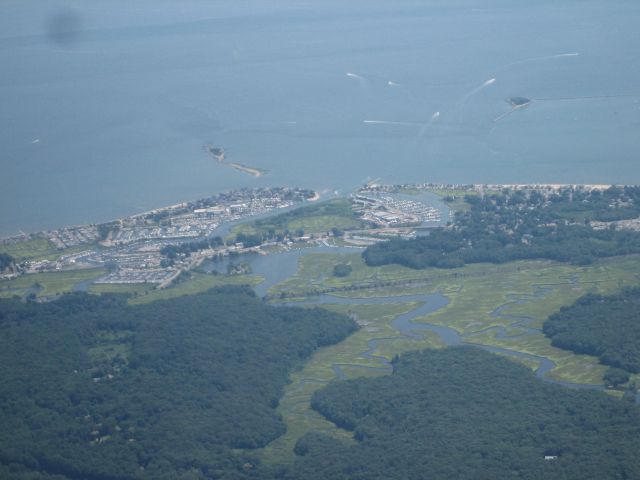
(465, 413)
(520, 225)
(6, 261)
(606, 326)
(342, 270)
(92, 388)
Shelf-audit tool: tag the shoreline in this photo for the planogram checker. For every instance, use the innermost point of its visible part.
(25, 236)
(258, 173)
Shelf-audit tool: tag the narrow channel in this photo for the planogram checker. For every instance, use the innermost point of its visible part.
(406, 325)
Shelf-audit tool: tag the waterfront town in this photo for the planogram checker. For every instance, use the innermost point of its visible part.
(134, 249)
(387, 211)
(130, 248)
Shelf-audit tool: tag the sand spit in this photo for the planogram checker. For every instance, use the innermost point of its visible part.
(219, 155)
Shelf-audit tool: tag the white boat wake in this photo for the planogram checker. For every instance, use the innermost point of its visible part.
(354, 75)
(463, 101)
(389, 122)
(426, 126)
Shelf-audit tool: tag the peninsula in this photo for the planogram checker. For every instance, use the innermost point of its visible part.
(219, 155)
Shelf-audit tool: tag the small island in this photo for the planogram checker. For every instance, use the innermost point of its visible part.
(216, 152)
(517, 102)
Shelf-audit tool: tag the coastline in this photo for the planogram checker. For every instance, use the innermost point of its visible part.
(258, 173)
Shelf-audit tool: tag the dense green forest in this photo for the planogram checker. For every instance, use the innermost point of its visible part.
(6, 261)
(463, 413)
(605, 326)
(92, 388)
(519, 224)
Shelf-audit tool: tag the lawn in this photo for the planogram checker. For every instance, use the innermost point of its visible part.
(52, 283)
(130, 288)
(199, 282)
(39, 249)
(458, 203)
(315, 218)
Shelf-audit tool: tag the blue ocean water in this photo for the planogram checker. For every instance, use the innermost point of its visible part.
(106, 105)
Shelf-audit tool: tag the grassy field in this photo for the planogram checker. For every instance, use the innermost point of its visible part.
(458, 203)
(31, 249)
(110, 346)
(52, 283)
(130, 288)
(314, 218)
(323, 223)
(533, 289)
(314, 224)
(199, 282)
(316, 271)
(39, 249)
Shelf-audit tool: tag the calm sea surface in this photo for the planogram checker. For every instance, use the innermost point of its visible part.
(105, 105)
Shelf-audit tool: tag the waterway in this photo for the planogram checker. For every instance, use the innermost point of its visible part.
(406, 326)
(278, 267)
(273, 268)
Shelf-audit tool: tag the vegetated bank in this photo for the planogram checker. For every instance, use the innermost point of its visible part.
(334, 214)
(464, 413)
(566, 225)
(92, 388)
(606, 326)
